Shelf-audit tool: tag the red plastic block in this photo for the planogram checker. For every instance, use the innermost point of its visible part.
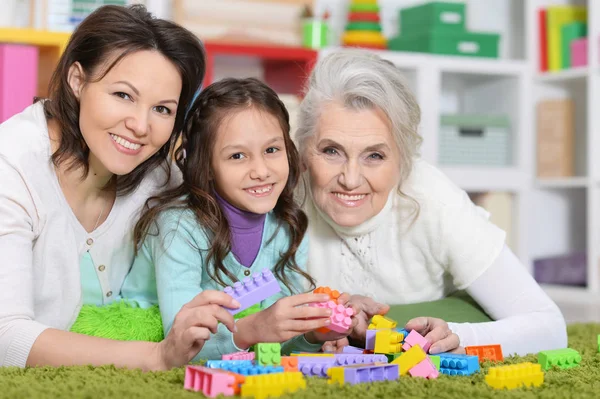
(486, 352)
(340, 318)
(414, 338)
(424, 369)
(253, 290)
(211, 382)
(239, 356)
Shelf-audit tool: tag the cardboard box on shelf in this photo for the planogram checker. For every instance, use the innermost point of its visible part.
(555, 131)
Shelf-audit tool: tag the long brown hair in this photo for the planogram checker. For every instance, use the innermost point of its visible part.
(109, 34)
(214, 104)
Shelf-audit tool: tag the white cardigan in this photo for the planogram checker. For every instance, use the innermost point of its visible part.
(402, 257)
(41, 240)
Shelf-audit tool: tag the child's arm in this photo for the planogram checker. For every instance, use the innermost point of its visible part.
(178, 254)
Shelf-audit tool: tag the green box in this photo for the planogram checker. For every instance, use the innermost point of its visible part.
(436, 16)
(570, 32)
(435, 42)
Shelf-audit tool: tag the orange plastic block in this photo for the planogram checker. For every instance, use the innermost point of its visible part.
(515, 376)
(289, 363)
(272, 385)
(388, 341)
(379, 322)
(486, 352)
(333, 294)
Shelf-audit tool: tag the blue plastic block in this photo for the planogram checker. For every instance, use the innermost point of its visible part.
(219, 364)
(453, 364)
(403, 332)
(253, 370)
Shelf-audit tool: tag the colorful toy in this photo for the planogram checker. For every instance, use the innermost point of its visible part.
(239, 356)
(486, 352)
(435, 360)
(272, 385)
(289, 364)
(253, 290)
(340, 317)
(370, 339)
(388, 341)
(424, 369)
(515, 376)
(379, 322)
(268, 354)
(453, 364)
(357, 374)
(333, 294)
(563, 358)
(409, 359)
(211, 382)
(364, 26)
(357, 351)
(414, 338)
(217, 364)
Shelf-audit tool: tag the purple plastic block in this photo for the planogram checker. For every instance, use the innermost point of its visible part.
(314, 369)
(370, 341)
(414, 338)
(253, 290)
(343, 359)
(352, 350)
(370, 373)
(316, 359)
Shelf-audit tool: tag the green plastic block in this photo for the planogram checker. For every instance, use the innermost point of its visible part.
(364, 25)
(268, 354)
(392, 356)
(562, 358)
(570, 32)
(435, 359)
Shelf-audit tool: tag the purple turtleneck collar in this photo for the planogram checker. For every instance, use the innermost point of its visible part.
(246, 231)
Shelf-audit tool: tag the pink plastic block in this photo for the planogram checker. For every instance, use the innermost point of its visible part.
(424, 369)
(210, 382)
(414, 338)
(253, 290)
(239, 356)
(340, 317)
(18, 78)
(579, 52)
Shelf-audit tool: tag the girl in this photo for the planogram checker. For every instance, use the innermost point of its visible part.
(232, 216)
(75, 170)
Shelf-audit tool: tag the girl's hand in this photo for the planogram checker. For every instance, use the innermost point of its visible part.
(285, 319)
(365, 309)
(318, 337)
(192, 327)
(438, 333)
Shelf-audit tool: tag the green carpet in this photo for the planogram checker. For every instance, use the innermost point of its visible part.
(108, 382)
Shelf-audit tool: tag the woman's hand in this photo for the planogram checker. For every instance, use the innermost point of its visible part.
(438, 333)
(334, 336)
(365, 309)
(336, 346)
(192, 327)
(285, 319)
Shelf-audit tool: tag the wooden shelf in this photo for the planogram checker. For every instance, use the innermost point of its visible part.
(34, 37)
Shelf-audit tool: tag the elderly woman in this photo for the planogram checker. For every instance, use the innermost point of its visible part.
(387, 225)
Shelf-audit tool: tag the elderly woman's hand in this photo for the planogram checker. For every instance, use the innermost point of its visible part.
(438, 333)
(365, 308)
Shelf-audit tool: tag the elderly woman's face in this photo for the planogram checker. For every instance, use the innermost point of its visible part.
(353, 163)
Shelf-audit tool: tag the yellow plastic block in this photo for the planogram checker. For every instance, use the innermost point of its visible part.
(409, 359)
(272, 385)
(557, 16)
(336, 375)
(313, 354)
(515, 376)
(388, 341)
(364, 37)
(379, 322)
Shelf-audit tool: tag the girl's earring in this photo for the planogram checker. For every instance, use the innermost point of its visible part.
(184, 154)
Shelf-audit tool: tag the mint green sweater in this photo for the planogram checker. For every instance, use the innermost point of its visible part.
(170, 270)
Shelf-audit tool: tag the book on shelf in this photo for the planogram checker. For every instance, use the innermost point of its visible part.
(500, 206)
(555, 137)
(558, 27)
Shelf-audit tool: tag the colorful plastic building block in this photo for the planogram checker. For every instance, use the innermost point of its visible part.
(379, 322)
(392, 356)
(414, 338)
(272, 385)
(352, 350)
(268, 354)
(315, 369)
(219, 364)
(388, 341)
(562, 358)
(424, 369)
(340, 318)
(486, 352)
(435, 360)
(453, 364)
(515, 376)
(253, 290)
(239, 356)
(311, 354)
(252, 369)
(343, 359)
(409, 359)
(333, 294)
(370, 339)
(403, 331)
(211, 382)
(362, 373)
(289, 363)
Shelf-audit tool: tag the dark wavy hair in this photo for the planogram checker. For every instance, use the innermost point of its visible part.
(109, 34)
(216, 103)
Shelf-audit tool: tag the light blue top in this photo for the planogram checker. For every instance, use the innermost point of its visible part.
(170, 270)
(91, 290)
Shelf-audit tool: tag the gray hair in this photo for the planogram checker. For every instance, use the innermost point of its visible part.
(358, 80)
